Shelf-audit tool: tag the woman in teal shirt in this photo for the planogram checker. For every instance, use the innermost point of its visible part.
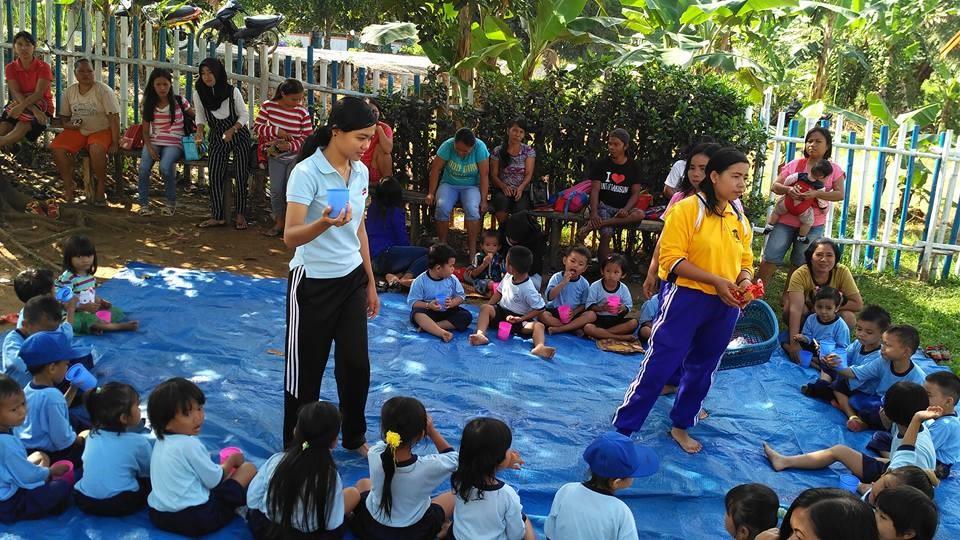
(460, 172)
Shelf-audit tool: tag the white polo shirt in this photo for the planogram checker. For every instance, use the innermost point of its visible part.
(336, 252)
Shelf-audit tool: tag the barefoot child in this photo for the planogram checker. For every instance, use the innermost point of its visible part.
(516, 301)
(191, 494)
(591, 509)
(488, 266)
(79, 267)
(398, 504)
(116, 462)
(27, 486)
(486, 507)
(862, 405)
(611, 322)
(902, 403)
(435, 296)
(872, 322)
(569, 289)
(751, 509)
(298, 493)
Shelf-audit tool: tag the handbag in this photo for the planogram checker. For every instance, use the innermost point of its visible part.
(132, 138)
(190, 150)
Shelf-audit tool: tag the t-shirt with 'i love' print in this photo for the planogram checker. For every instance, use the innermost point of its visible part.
(616, 181)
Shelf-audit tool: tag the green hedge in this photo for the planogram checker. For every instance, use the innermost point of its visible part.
(569, 113)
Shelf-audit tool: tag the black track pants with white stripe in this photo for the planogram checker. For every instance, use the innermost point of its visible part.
(319, 313)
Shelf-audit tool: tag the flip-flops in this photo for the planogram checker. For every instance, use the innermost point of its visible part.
(938, 353)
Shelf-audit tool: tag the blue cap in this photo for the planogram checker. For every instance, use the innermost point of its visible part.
(49, 347)
(613, 455)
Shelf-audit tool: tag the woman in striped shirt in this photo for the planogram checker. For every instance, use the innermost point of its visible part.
(282, 126)
(167, 119)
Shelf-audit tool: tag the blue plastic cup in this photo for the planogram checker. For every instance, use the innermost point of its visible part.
(81, 378)
(64, 294)
(805, 358)
(442, 300)
(337, 200)
(849, 482)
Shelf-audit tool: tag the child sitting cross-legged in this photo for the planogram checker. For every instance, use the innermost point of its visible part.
(751, 509)
(590, 509)
(567, 290)
(488, 265)
(824, 331)
(191, 494)
(610, 299)
(517, 302)
(27, 486)
(904, 405)
(435, 296)
(862, 404)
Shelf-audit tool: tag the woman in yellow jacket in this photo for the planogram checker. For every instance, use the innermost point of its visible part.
(705, 261)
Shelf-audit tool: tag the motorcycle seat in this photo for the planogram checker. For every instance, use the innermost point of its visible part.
(179, 12)
(262, 21)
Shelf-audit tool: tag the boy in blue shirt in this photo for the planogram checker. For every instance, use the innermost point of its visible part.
(862, 404)
(516, 302)
(27, 490)
(648, 312)
(824, 328)
(47, 356)
(40, 313)
(568, 289)
(435, 296)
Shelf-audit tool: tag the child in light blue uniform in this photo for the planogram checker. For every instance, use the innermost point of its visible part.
(590, 509)
(648, 312)
(568, 288)
(398, 504)
(47, 356)
(40, 314)
(872, 322)
(611, 323)
(824, 330)
(191, 494)
(116, 462)
(280, 505)
(26, 488)
(433, 286)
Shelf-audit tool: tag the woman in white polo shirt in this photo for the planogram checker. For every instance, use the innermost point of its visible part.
(331, 291)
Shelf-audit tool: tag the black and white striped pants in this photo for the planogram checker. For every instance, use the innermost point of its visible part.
(219, 162)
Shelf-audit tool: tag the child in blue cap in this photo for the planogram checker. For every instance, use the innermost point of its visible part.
(47, 356)
(590, 509)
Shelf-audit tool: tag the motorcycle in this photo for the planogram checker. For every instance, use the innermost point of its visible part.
(257, 30)
(182, 17)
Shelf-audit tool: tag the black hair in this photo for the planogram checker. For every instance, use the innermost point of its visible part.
(389, 194)
(806, 499)
(406, 417)
(947, 381)
(719, 162)
(347, 114)
(151, 98)
(580, 250)
(875, 314)
(520, 258)
(753, 506)
(823, 241)
(706, 148)
(211, 98)
(287, 87)
(489, 233)
(9, 386)
(306, 474)
(822, 168)
(828, 293)
(78, 246)
(108, 403)
(908, 336)
(846, 518)
(911, 475)
(504, 155)
(26, 36)
(615, 258)
(439, 255)
(33, 282)
(465, 136)
(903, 400)
(43, 307)
(170, 398)
(483, 447)
(826, 135)
(910, 510)
(600, 483)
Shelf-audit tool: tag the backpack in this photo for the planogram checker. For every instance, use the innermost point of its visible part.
(573, 199)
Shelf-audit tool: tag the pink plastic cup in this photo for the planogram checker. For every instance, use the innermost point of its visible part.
(225, 454)
(503, 330)
(564, 312)
(494, 285)
(613, 302)
(104, 315)
(67, 476)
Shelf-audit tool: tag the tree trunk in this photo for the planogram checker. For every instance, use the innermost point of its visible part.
(327, 30)
(465, 21)
(820, 82)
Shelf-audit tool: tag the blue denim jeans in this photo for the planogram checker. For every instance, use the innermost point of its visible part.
(782, 237)
(447, 196)
(169, 156)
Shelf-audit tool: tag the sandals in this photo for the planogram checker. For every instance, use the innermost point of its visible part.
(211, 223)
(856, 424)
(240, 225)
(938, 353)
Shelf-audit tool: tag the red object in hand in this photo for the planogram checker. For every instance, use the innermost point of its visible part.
(752, 292)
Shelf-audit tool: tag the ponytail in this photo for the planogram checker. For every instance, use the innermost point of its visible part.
(388, 459)
(403, 421)
(348, 114)
(317, 140)
(108, 403)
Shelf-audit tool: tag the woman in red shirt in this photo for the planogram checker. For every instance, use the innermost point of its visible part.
(31, 103)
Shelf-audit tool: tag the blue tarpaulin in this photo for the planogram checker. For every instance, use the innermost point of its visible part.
(226, 332)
